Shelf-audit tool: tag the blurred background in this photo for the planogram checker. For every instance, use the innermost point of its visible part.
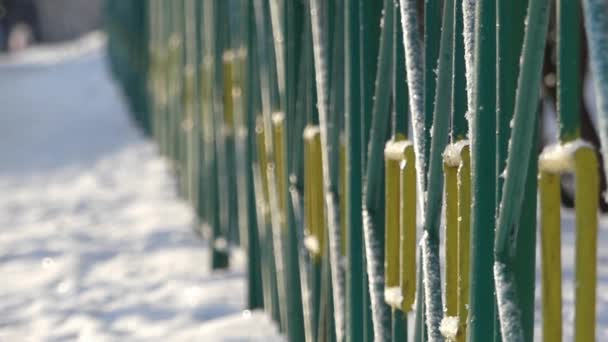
(27, 22)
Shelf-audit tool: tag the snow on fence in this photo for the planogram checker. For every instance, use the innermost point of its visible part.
(332, 140)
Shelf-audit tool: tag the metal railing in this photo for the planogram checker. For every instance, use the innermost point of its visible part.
(332, 141)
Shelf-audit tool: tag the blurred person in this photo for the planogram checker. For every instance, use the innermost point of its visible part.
(19, 25)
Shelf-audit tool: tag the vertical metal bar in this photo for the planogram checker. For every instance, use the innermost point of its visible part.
(569, 80)
(400, 130)
(522, 135)
(432, 38)
(587, 191)
(434, 191)
(551, 263)
(451, 239)
(510, 34)
(293, 37)
(596, 27)
(254, 260)
(373, 224)
(481, 314)
(408, 246)
(329, 142)
(464, 240)
(354, 152)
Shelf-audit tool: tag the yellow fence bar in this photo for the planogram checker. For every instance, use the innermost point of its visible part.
(457, 171)
(407, 225)
(464, 240)
(227, 68)
(278, 135)
(550, 201)
(314, 204)
(577, 157)
(343, 196)
(263, 162)
(451, 239)
(394, 154)
(587, 194)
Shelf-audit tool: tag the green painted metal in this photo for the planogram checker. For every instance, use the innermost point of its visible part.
(483, 154)
(355, 270)
(220, 258)
(415, 82)
(510, 32)
(293, 33)
(434, 190)
(400, 117)
(459, 127)
(373, 218)
(254, 269)
(329, 134)
(518, 159)
(596, 26)
(432, 37)
(569, 80)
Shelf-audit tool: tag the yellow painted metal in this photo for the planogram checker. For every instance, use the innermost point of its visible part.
(206, 88)
(343, 196)
(451, 238)
(391, 244)
(464, 229)
(586, 198)
(278, 136)
(227, 68)
(457, 178)
(174, 61)
(263, 163)
(314, 204)
(307, 187)
(581, 159)
(550, 201)
(407, 224)
(188, 126)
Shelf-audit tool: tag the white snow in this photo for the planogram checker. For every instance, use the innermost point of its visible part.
(508, 310)
(312, 244)
(94, 243)
(451, 154)
(560, 157)
(449, 327)
(393, 297)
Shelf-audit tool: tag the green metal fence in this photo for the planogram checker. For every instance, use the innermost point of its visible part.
(343, 143)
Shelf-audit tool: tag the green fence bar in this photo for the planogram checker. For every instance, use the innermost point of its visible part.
(482, 135)
(518, 159)
(510, 32)
(356, 287)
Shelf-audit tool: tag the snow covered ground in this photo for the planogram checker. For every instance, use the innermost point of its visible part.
(94, 243)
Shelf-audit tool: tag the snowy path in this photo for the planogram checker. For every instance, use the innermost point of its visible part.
(94, 244)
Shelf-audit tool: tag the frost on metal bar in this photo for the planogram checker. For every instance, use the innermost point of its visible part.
(329, 163)
(468, 14)
(576, 157)
(415, 83)
(518, 158)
